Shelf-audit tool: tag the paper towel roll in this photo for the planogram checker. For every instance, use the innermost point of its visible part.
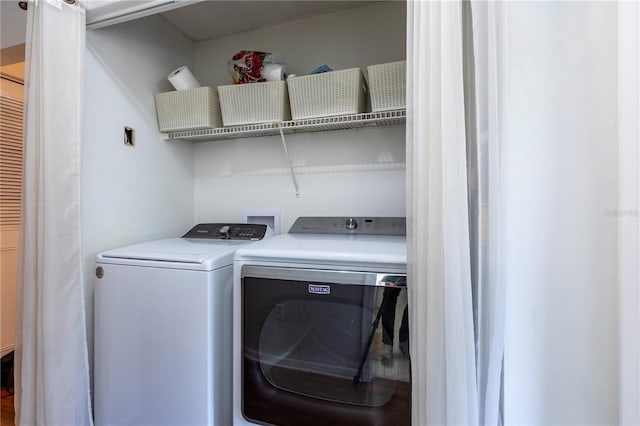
(182, 79)
(274, 72)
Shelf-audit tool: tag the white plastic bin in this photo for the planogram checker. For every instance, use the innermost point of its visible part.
(190, 109)
(254, 103)
(327, 94)
(387, 85)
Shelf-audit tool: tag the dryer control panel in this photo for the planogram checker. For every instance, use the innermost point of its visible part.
(350, 225)
(228, 231)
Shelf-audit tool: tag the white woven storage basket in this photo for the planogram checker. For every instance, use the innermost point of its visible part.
(387, 85)
(188, 109)
(331, 93)
(254, 103)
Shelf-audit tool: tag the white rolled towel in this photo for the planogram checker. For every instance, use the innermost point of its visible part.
(182, 79)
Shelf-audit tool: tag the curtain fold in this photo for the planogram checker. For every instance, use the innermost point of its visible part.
(629, 211)
(490, 290)
(442, 348)
(52, 369)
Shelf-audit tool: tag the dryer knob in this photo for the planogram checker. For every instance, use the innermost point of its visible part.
(351, 224)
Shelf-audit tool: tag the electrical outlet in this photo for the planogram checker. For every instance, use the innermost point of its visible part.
(129, 136)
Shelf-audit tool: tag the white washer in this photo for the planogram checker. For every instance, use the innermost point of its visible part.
(306, 330)
(163, 330)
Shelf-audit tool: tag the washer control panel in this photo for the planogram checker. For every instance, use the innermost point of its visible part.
(227, 231)
(350, 225)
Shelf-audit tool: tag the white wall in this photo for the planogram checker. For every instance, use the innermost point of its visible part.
(14, 24)
(560, 105)
(133, 194)
(354, 172)
(130, 194)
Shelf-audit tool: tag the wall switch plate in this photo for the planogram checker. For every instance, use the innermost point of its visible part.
(264, 217)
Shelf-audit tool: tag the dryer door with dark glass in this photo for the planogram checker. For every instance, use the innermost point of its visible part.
(325, 346)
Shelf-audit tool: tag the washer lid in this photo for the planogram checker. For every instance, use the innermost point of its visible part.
(182, 253)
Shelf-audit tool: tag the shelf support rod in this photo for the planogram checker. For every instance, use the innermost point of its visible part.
(286, 152)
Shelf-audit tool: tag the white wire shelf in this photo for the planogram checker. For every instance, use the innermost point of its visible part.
(341, 122)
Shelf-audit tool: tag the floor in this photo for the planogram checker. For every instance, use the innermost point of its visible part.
(398, 369)
(6, 408)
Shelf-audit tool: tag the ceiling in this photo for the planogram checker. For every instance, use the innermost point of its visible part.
(211, 19)
(197, 19)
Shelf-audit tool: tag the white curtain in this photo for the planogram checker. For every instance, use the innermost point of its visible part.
(551, 270)
(628, 212)
(565, 123)
(52, 369)
(438, 239)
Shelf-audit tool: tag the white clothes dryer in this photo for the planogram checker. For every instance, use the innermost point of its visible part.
(163, 328)
(320, 325)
